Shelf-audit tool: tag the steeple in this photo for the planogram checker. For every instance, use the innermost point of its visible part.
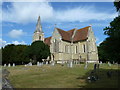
(38, 34)
(38, 26)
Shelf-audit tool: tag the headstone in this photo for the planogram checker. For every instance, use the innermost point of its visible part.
(9, 65)
(38, 63)
(68, 65)
(76, 62)
(53, 63)
(30, 64)
(4, 65)
(95, 66)
(25, 65)
(109, 63)
(71, 64)
(100, 62)
(46, 62)
(41, 63)
(13, 64)
(113, 62)
(85, 66)
(98, 65)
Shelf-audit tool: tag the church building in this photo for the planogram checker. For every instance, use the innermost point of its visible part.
(75, 44)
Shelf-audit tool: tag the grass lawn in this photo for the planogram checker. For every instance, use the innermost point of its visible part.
(59, 76)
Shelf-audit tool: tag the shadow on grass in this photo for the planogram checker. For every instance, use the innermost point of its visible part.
(102, 78)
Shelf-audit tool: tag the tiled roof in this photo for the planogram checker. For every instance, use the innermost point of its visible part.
(47, 41)
(65, 35)
(81, 34)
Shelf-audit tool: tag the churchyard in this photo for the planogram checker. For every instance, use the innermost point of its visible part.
(62, 76)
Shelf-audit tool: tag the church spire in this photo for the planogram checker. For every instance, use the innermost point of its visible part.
(38, 34)
(38, 26)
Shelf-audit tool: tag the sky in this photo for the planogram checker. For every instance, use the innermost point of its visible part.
(19, 19)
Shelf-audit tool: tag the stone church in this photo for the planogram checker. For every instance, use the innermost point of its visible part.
(75, 44)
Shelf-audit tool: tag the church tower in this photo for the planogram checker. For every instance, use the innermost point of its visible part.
(38, 34)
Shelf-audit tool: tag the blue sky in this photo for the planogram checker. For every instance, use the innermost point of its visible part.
(19, 18)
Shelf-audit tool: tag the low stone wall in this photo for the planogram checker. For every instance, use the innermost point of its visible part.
(5, 82)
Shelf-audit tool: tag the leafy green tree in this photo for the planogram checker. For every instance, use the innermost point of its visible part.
(14, 54)
(109, 50)
(38, 51)
(117, 5)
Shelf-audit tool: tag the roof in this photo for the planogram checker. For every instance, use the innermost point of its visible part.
(80, 35)
(47, 40)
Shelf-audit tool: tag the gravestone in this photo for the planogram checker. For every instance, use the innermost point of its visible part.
(30, 64)
(53, 63)
(68, 65)
(38, 64)
(75, 61)
(4, 65)
(98, 65)
(41, 63)
(9, 65)
(100, 62)
(113, 62)
(86, 65)
(109, 63)
(25, 65)
(95, 66)
(13, 64)
(46, 62)
(71, 64)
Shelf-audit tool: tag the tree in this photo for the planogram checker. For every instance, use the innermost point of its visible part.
(117, 5)
(14, 54)
(38, 51)
(110, 48)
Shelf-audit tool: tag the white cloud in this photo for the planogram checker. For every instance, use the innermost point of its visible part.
(16, 33)
(3, 43)
(17, 42)
(28, 12)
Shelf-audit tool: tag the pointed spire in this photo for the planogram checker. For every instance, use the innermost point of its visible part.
(38, 26)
